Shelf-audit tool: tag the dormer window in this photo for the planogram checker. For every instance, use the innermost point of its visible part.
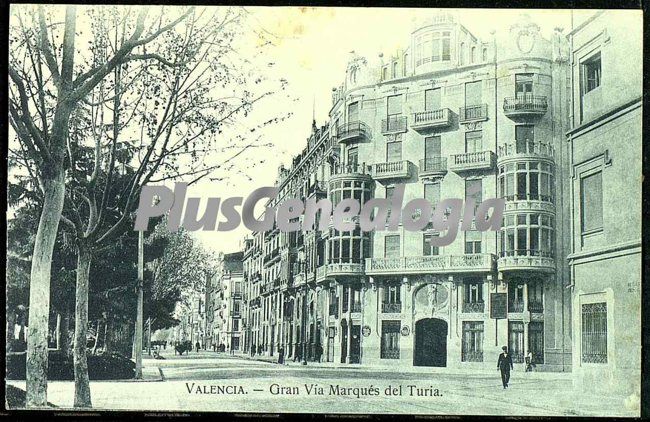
(433, 47)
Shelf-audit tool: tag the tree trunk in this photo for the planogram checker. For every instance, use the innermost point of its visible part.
(63, 341)
(81, 381)
(99, 324)
(58, 331)
(105, 334)
(108, 336)
(11, 328)
(39, 289)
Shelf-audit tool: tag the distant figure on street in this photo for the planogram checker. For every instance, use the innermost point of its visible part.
(259, 349)
(214, 347)
(319, 352)
(504, 364)
(198, 346)
(281, 356)
(253, 350)
(530, 364)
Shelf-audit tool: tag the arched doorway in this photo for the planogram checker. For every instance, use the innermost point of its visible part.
(430, 342)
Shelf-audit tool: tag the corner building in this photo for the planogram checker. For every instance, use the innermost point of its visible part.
(449, 116)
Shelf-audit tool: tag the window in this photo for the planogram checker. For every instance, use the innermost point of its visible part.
(515, 296)
(353, 157)
(536, 341)
(474, 141)
(472, 350)
(393, 152)
(473, 55)
(516, 341)
(384, 73)
(524, 138)
(427, 248)
(472, 242)
(235, 325)
(433, 47)
(594, 333)
(474, 290)
(473, 93)
(353, 112)
(523, 85)
(432, 193)
(405, 65)
(536, 296)
(461, 54)
(394, 69)
(485, 54)
(390, 334)
(391, 246)
(432, 99)
(591, 73)
(432, 153)
(346, 298)
(474, 192)
(392, 294)
(527, 181)
(394, 105)
(591, 202)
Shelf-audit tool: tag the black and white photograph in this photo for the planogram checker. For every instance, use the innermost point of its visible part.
(324, 210)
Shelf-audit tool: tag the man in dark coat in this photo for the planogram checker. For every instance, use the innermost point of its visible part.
(504, 364)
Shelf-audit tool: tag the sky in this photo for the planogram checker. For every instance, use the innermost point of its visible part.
(310, 49)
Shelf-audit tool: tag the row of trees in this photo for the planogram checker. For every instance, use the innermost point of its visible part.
(104, 100)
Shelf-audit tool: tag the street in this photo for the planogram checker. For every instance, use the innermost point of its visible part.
(208, 381)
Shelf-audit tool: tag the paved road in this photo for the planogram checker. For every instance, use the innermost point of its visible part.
(209, 382)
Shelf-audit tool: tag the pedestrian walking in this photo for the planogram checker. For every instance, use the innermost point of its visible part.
(319, 352)
(504, 364)
(281, 356)
(198, 346)
(530, 364)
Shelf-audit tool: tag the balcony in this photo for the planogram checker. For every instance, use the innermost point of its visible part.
(392, 171)
(432, 119)
(536, 306)
(474, 113)
(521, 107)
(393, 124)
(433, 167)
(472, 161)
(526, 260)
(356, 171)
(356, 307)
(334, 309)
(391, 308)
(353, 132)
(515, 307)
(338, 270)
(430, 264)
(515, 150)
(473, 307)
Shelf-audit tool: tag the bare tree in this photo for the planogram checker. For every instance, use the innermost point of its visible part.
(44, 93)
(154, 105)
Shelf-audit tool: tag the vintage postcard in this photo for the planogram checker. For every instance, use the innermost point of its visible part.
(324, 210)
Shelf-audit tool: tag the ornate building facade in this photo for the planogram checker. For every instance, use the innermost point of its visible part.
(449, 116)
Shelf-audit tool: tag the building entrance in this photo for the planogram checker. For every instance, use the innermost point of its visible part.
(430, 342)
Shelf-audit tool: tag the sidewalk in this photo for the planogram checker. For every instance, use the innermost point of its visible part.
(409, 369)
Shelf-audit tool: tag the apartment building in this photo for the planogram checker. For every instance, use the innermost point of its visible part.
(605, 140)
(449, 116)
(228, 316)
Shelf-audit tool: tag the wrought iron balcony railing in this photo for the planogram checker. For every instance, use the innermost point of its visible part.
(473, 307)
(393, 124)
(391, 308)
(521, 105)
